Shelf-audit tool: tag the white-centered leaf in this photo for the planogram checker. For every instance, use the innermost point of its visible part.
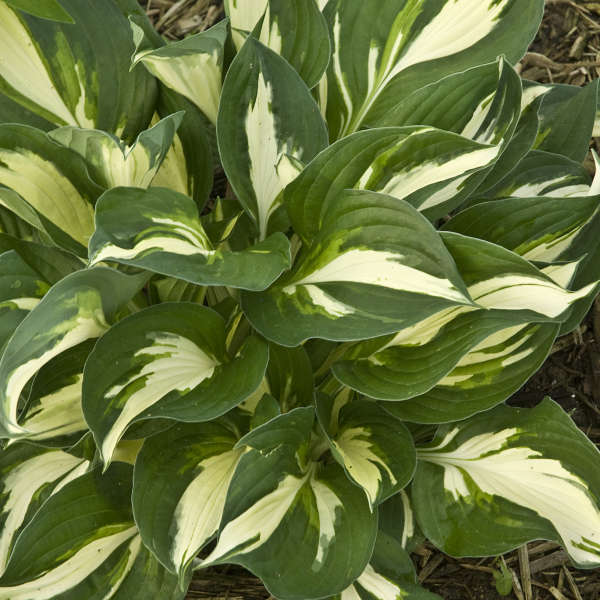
(500, 475)
(172, 363)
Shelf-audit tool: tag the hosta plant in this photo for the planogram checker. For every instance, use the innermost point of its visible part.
(303, 367)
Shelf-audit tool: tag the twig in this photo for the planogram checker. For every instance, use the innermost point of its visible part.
(572, 584)
(525, 572)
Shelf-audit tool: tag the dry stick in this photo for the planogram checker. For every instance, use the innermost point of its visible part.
(557, 594)
(431, 566)
(517, 586)
(556, 559)
(572, 584)
(525, 572)
(170, 13)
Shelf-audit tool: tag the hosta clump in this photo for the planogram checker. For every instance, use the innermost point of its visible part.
(305, 376)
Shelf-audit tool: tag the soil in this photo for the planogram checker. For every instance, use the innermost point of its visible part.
(566, 50)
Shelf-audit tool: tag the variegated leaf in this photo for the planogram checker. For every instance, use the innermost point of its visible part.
(244, 16)
(296, 30)
(74, 75)
(482, 104)
(539, 229)
(160, 230)
(383, 50)
(489, 484)
(306, 533)
(53, 415)
(51, 185)
(412, 361)
(188, 165)
(375, 266)
(30, 475)
(376, 450)
(166, 361)
(543, 174)
(78, 308)
(181, 479)
(21, 289)
(268, 125)
(431, 169)
(83, 543)
(113, 163)
(50, 9)
(487, 375)
(191, 67)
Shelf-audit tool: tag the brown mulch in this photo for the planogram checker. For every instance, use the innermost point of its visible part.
(566, 50)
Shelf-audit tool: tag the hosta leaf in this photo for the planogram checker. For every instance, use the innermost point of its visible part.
(567, 119)
(53, 415)
(76, 74)
(484, 377)
(180, 485)
(539, 229)
(83, 543)
(160, 230)
(191, 67)
(543, 174)
(51, 184)
(21, 289)
(431, 169)
(306, 534)
(166, 361)
(111, 162)
(290, 376)
(297, 30)
(76, 309)
(521, 142)
(375, 266)
(411, 362)
(50, 9)
(483, 104)
(383, 51)
(499, 279)
(268, 123)
(30, 475)
(188, 165)
(498, 480)
(387, 577)
(376, 450)
(244, 16)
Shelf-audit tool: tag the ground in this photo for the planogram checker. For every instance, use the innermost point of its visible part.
(566, 50)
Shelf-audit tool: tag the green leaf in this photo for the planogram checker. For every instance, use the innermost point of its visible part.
(567, 119)
(375, 266)
(503, 580)
(489, 484)
(113, 163)
(49, 9)
(191, 67)
(376, 450)
(384, 51)
(160, 230)
(268, 125)
(297, 31)
(433, 170)
(50, 183)
(482, 104)
(30, 475)
(305, 533)
(181, 479)
(168, 360)
(76, 74)
(78, 308)
(83, 543)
